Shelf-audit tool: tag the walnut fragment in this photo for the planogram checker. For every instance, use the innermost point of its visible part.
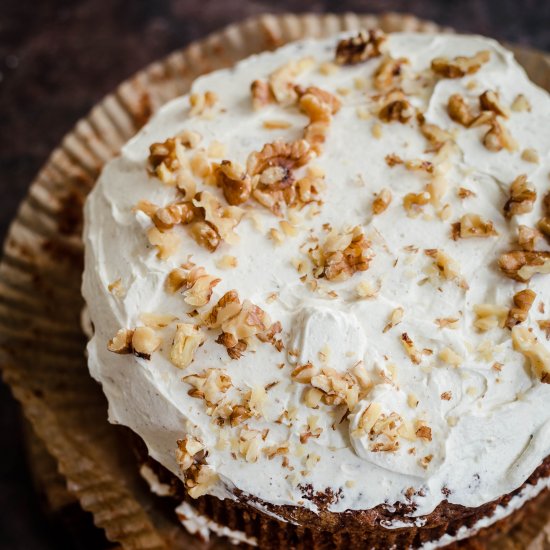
(187, 339)
(360, 48)
(522, 197)
(459, 66)
(521, 265)
(523, 300)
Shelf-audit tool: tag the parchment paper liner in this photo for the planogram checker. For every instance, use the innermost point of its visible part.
(41, 343)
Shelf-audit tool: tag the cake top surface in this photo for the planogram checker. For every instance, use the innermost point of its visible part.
(321, 278)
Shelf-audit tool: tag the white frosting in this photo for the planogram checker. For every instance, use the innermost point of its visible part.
(493, 432)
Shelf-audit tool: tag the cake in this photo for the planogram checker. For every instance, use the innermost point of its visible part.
(318, 286)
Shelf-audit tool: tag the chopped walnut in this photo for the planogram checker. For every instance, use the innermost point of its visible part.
(395, 318)
(521, 265)
(121, 342)
(396, 108)
(227, 262)
(261, 94)
(544, 325)
(464, 193)
(341, 255)
(381, 201)
(412, 351)
(319, 105)
(199, 480)
(490, 101)
(423, 431)
(543, 224)
(202, 103)
(281, 81)
(530, 155)
(459, 111)
(367, 289)
(189, 451)
(520, 104)
(389, 73)
(173, 214)
(234, 181)
(523, 300)
(472, 226)
(450, 357)
(187, 340)
(364, 46)
(211, 385)
(145, 341)
(250, 444)
(205, 235)
(224, 219)
(446, 396)
(166, 242)
(538, 356)
(522, 197)
(459, 66)
(446, 267)
(383, 430)
(489, 316)
(498, 137)
(527, 237)
(167, 160)
(435, 135)
(413, 202)
(196, 283)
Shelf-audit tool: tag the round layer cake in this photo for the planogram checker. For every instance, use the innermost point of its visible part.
(319, 285)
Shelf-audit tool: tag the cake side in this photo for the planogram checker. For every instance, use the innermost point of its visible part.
(379, 351)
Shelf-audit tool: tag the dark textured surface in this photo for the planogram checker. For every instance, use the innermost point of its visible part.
(58, 58)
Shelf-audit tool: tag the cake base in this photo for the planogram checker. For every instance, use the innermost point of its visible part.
(449, 526)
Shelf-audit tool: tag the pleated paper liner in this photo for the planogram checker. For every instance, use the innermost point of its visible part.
(41, 342)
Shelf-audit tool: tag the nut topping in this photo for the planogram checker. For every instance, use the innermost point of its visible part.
(528, 237)
(381, 201)
(121, 342)
(261, 94)
(341, 255)
(459, 66)
(396, 108)
(364, 46)
(538, 356)
(187, 340)
(389, 73)
(490, 101)
(521, 265)
(459, 111)
(498, 138)
(523, 300)
(234, 181)
(472, 226)
(522, 197)
(544, 223)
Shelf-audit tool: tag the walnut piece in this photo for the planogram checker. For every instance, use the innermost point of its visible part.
(528, 237)
(412, 351)
(172, 214)
(521, 265)
(224, 219)
(121, 342)
(210, 385)
(205, 235)
(543, 224)
(536, 353)
(261, 94)
(489, 316)
(522, 197)
(381, 201)
(166, 242)
(196, 283)
(364, 46)
(145, 341)
(473, 226)
(435, 135)
(523, 300)
(459, 111)
(199, 479)
(490, 101)
(281, 81)
(498, 137)
(389, 73)
(341, 255)
(202, 103)
(187, 340)
(396, 108)
(459, 66)
(188, 451)
(234, 181)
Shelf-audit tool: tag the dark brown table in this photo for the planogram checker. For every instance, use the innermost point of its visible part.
(57, 58)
